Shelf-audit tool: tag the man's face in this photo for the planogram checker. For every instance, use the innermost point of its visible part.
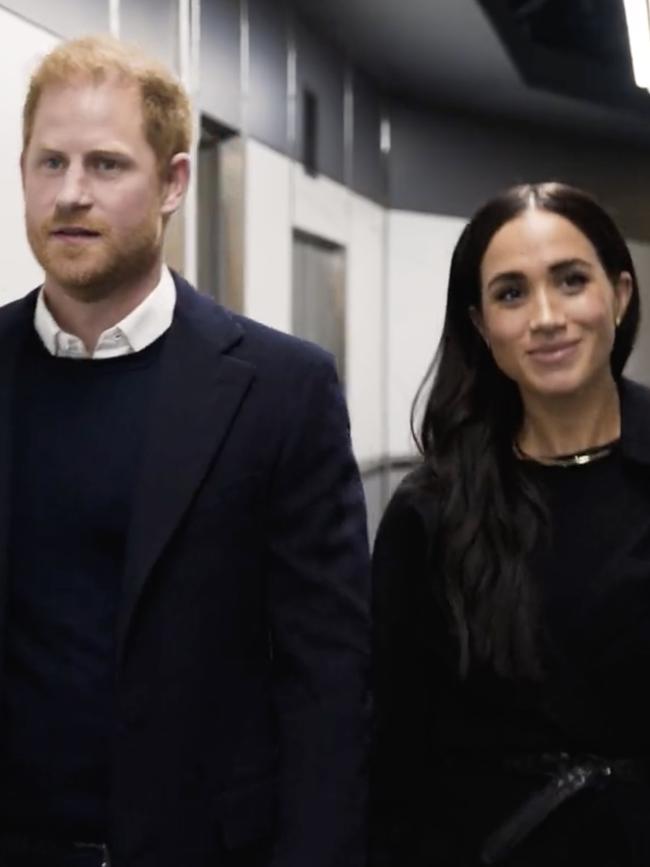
(93, 195)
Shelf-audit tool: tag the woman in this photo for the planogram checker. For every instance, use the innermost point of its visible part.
(512, 567)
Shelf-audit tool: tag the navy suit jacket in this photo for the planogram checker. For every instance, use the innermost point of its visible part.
(242, 637)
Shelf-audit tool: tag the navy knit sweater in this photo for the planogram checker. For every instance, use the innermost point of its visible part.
(79, 433)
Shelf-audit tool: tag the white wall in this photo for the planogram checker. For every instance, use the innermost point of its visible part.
(280, 197)
(23, 45)
(267, 236)
(419, 253)
(367, 387)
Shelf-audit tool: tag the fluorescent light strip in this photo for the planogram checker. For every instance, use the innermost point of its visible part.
(114, 18)
(637, 15)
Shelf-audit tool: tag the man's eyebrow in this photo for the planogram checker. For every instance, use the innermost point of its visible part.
(109, 153)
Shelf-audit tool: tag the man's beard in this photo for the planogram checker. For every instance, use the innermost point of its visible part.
(97, 268)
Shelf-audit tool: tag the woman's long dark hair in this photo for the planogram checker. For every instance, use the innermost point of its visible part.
(490, 514)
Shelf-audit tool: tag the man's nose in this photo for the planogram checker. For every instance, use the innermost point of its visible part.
(74, 192)
(547, 313)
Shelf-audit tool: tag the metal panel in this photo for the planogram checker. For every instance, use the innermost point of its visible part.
(220, 223)
(137, 19)
(67, 18)
(368, 165)
(319, 294)
(230, 222)
(266, 110)
(208, 229)
(174, 244)
(220, 75)
(321, 70)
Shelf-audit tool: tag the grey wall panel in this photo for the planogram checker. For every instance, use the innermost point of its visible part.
(321, 69)
(368, 167)
(220, 61)
(318, 296)
(152, 24)
(67, 18)
(267, 98)
(449, 164)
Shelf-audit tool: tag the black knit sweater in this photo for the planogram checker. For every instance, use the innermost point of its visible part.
(79, 431)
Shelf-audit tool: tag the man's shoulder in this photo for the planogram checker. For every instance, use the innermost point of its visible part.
(16, 315)
(264, 340)
(247, 338)
(19, 308)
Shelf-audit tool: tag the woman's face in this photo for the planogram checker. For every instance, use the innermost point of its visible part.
(548, 309)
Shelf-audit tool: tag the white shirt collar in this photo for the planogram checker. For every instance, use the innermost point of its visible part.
(149, 321)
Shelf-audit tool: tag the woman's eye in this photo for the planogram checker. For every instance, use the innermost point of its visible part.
(508, 294)
(575, 280)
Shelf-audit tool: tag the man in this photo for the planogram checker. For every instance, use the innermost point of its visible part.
(183, 597)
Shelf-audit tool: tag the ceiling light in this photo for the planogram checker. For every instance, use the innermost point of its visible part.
(637, 14)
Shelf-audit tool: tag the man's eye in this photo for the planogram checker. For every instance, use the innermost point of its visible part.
(106, 164)
(52, 163)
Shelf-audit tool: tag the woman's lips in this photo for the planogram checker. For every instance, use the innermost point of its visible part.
(554, 353)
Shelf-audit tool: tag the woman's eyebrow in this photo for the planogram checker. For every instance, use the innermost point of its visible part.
(569, 263)
(506, 275)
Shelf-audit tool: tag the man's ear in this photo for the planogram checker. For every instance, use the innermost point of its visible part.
(175, 183)
(477, 321)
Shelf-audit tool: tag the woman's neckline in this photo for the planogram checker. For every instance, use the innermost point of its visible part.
(575, 459)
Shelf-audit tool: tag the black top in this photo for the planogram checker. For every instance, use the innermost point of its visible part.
(79, 433)
(594, 568)
(439, 781)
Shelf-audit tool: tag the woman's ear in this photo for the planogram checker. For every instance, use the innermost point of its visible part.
(477, 321)
(623, 293)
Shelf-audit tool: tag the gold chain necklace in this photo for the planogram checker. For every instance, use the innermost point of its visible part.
(586, 456)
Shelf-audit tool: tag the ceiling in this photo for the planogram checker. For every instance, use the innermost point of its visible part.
(448, 53)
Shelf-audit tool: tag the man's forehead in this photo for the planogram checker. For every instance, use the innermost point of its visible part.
(83, 104)
(89, 87)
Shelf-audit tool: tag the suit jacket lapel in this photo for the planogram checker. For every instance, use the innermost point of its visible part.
(200, 390)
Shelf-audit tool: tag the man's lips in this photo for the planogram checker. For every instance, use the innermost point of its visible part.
(74, 232)
(74, 235)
